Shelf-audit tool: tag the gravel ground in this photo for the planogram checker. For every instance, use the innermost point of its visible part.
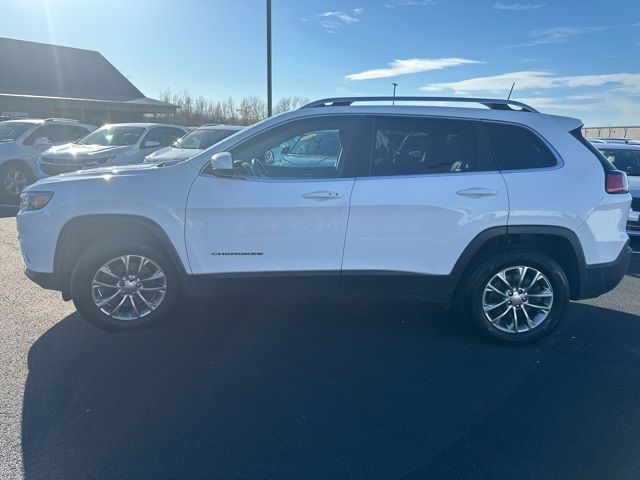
(278, 387)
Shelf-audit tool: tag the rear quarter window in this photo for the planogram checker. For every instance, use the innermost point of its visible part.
(517, 148)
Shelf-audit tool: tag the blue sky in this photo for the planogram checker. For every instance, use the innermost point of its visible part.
(578, 58)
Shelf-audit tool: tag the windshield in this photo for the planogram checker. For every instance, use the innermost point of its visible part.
(202, 139)
(627, 161)
(317, 143)
(113, 136)
(9, 131)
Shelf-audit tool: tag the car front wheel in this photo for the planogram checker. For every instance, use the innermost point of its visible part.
(124, 286)
(13, 179)
(518, 296)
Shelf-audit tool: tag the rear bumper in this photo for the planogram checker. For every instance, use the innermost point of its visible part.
(601, 278)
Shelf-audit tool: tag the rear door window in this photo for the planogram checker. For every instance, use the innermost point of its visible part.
(426, 146)
(518, 148)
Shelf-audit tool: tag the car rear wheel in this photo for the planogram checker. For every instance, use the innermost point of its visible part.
(518, 296)
(125, 286)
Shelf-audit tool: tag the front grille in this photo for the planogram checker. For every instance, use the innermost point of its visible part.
(635, 204)
(57, 169)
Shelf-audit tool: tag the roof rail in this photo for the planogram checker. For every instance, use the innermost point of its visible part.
(61, 120)
(492, 103)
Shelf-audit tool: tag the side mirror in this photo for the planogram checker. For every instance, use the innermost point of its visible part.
(285, 149)
(222, 163)
(151, 144)
(41, 142)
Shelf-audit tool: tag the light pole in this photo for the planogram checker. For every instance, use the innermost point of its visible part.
(394, 93)
(269, 92)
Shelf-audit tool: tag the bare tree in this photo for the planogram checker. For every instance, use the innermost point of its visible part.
(196, 111)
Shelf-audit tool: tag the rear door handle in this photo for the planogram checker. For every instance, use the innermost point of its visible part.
(477, 192)
(322, 195)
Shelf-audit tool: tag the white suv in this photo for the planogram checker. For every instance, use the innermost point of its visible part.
(116, 144)
(21, 141)
(505, 212)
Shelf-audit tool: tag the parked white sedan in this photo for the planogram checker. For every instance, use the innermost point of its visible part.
(110, 145)
(193, 143)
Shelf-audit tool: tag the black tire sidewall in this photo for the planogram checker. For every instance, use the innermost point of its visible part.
(95, 258)
(521, 257)
(5, 169)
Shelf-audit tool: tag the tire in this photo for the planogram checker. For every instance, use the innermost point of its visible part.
(539, 306)
(86, 294)
(14, 177)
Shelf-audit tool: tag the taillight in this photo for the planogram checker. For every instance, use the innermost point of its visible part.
(617, 182)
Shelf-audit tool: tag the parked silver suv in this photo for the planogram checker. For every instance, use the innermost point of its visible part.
(21, 142)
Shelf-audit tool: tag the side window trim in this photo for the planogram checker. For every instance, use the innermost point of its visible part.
(551, 148)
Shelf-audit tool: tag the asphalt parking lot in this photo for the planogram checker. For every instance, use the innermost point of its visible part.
(308, 387)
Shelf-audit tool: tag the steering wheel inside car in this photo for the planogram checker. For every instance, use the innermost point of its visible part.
(258, 168)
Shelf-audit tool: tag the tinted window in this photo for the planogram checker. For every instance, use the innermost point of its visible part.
(165, 136)
(202, 139)
(413, 146)
(625, 160)
(113, 135)
(12, 130)
(518, 148)
(53, 133)
(309, 148)
(72, 133)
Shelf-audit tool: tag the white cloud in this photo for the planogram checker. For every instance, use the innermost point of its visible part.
(628, 83)
(409, 3)
(518, 6)
(332, 21)
(558, 35)
(411, 65)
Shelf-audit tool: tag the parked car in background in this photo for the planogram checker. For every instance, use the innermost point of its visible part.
(313, 149)
(476, 208)
(193, 143)
(110, 145)
(21, 141)
(627, 159)
(613, 140)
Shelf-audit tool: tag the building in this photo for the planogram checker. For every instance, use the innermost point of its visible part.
(630, 132)
(43, 81)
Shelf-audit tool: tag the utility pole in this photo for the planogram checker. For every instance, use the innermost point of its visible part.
(394, 93)
(269, 86)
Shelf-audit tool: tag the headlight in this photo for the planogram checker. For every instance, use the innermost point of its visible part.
(34, 200)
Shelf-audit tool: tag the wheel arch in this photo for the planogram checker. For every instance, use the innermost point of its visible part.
(559, 243)
(81, 232)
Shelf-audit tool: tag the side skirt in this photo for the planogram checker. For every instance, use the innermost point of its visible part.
(432, 288)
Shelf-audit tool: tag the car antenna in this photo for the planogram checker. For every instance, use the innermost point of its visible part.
(511, 91)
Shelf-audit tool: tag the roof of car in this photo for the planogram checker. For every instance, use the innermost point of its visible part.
(38, 121)
(221, 127)
(143, 125)
(511, 116)
(617, 146)
(24, 120)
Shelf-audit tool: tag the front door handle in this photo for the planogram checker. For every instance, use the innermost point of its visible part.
(477, 192)
(322, 195)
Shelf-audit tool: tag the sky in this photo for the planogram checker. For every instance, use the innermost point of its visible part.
(567, 57)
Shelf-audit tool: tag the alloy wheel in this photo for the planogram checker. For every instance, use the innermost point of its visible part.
(15, 181)
(517, 299)
(129, 287)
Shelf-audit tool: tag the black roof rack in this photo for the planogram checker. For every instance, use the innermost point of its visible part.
(492, 103)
